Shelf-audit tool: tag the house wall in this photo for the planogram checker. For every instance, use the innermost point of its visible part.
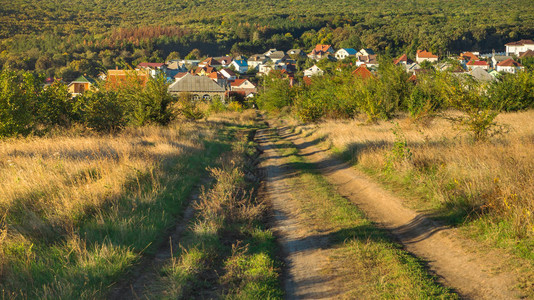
(422, 59)
(517, 49)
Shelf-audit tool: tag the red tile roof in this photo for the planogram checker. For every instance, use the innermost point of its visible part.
(150, 65)
(216, 75)
(322, 48)
(425, 54)
(403, 58)
(509, 63)
(520, 43)
(528, 53)
(469, 56)
(238, 82)
(362, 72)
(477, 63)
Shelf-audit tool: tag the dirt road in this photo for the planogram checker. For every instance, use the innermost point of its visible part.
(472, 275)
(305, 260)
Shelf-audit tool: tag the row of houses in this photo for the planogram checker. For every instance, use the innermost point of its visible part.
(226, 75)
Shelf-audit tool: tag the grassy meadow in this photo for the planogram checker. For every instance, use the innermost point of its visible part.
(78, 209)
(484, 187)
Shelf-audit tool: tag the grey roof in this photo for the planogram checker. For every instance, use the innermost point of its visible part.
(190, 83)
(481, 75)
(277, 55)
(500, 58)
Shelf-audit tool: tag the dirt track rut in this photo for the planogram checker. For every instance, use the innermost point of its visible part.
(305, 260)
(472, 275)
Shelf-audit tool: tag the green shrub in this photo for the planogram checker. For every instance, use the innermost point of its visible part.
(18, 99)
(102, 111)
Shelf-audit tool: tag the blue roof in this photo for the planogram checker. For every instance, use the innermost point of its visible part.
(350, 51)
(241, 62)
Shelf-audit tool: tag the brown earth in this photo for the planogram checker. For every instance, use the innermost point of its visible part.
(474, 274)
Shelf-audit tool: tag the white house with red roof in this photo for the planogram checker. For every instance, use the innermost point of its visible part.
(423, 55)
(477, 64)
(517, 48)
(509, 66)
(243, 86)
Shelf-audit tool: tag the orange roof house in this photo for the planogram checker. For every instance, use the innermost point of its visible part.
(468, 56)
(403, 59)
(423, 55)
(477, 64)
(509, 66)
(363, 73)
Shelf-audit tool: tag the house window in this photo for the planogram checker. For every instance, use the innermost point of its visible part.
(206, 97)
(196, 97)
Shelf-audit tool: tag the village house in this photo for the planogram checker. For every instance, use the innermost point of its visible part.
(243, 86)
(313, 71)
(517, 48)
(256, 60)
(80, 85)
(203, 71)
(365, 52)
(477, 64)
(225, 61)
(229, 74)
(363, 73)
(423, 55)
(153, 68)
(496, 59)
(241, 66)
(401, 61)
(467, 56)
(321, 51)
(278, 57)
(200, 87)
(119, 78)
(296, 53)
(345, 52)
(509, 66)
(210, 62)
(528, 53)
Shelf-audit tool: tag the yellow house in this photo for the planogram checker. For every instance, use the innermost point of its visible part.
(80, 85)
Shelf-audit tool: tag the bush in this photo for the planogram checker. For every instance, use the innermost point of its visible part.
(18, 99)
(55, 106)
(102, 111)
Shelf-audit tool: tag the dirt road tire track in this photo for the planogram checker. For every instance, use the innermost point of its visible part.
(305, 260)
(472, 275)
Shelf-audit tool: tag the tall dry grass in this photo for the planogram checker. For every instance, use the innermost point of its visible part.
(51, 185)
(494, 179)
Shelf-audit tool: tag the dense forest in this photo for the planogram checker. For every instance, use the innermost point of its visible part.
(65, 39)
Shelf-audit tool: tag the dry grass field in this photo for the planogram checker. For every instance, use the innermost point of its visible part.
(76, 210)
(487, 184)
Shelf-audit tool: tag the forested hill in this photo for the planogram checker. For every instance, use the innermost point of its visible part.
(152, 29)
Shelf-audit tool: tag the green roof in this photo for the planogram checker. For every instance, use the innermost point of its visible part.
(84, 78)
